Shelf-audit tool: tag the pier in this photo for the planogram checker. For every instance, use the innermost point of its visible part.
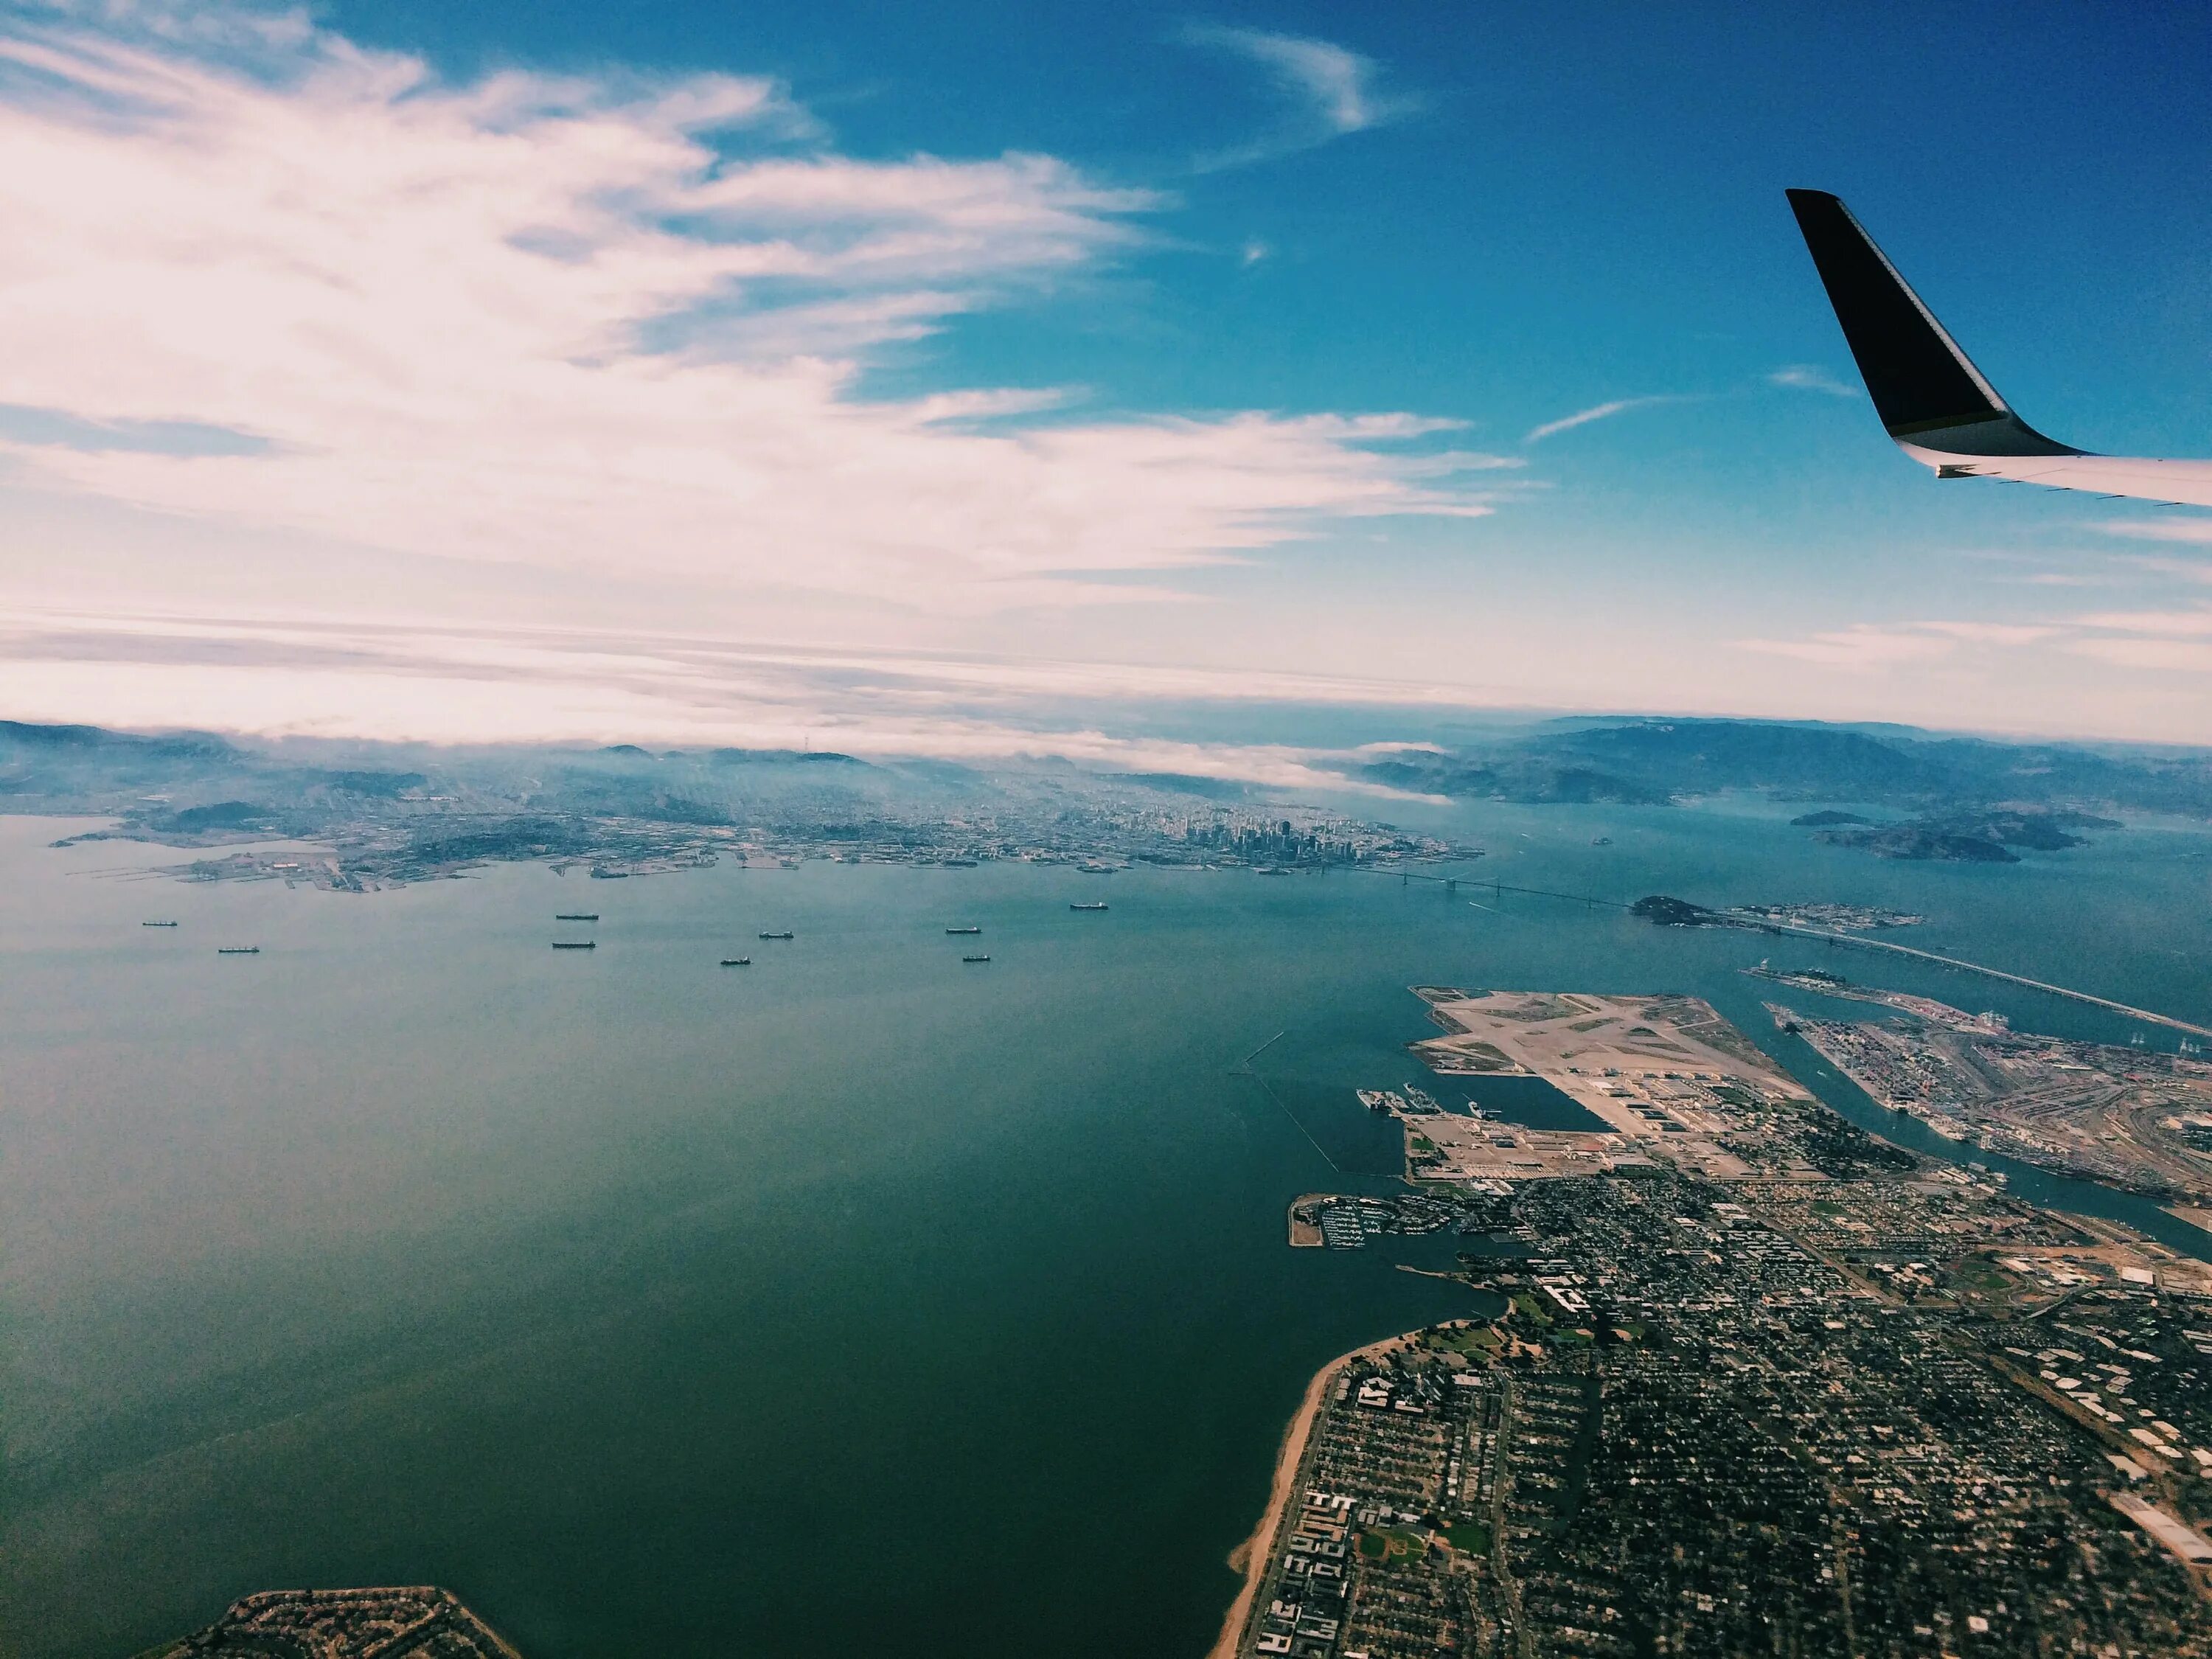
(2094, 1001)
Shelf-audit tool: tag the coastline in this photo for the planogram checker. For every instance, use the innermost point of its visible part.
(1251, 1556)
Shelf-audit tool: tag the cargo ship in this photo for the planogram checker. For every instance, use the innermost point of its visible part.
(575, 944)
(779, 936)
(157, 923)
(578, 915)
(964, 930)
(736, 962)
(1100, 905)
(238, 950)
(974, 958)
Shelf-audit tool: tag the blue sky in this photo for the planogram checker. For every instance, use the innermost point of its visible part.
(1267, 328)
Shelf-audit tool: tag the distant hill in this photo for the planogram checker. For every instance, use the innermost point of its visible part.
(1651, 762)
(1953, 799)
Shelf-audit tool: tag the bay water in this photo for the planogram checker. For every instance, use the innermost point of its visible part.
(860, 1300)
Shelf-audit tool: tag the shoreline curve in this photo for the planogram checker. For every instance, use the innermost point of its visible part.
(1251, 1556)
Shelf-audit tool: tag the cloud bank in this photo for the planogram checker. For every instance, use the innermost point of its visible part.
(259, 275)
(479, 684)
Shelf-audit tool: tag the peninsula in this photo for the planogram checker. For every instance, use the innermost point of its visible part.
(1739, 1379)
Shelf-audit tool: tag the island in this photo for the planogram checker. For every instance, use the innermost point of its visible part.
(415, 1621)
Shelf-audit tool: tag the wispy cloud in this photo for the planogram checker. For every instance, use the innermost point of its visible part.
(2197, 531)
(1807, 377)
(2135, 639)
(2169, 655)
(1595, 412)
(1863, 647)
(1333, 91)
(2191, 570)
(2194, 622)
(607, 324)
(1870, 646)
(1993, 633)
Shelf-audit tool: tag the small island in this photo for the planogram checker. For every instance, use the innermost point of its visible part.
(409, 1621)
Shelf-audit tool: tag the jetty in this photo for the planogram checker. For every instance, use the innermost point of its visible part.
(1964, 966)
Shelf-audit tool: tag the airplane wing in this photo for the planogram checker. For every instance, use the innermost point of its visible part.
(1936, 404)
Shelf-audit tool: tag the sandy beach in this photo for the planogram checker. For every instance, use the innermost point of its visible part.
(1251, 1556)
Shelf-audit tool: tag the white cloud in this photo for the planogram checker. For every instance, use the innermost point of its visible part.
(1867, 646)
(2178, 640)
(1863, 647)
(2192, 570)
(1991, 633)
(544, 322)
(1595, 412)
(1334, 91)
(2161, 529)
(2180, 656)
(2197, 622)
(1806, 377)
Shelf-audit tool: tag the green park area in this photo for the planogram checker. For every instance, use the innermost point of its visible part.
(1468, 1537)
(1386, 1545)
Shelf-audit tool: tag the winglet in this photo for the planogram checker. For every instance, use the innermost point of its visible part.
(1931, 399)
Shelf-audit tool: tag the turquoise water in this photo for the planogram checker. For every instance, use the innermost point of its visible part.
(857, 1301)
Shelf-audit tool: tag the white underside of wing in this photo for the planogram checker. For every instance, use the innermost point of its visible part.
(2184, 483)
